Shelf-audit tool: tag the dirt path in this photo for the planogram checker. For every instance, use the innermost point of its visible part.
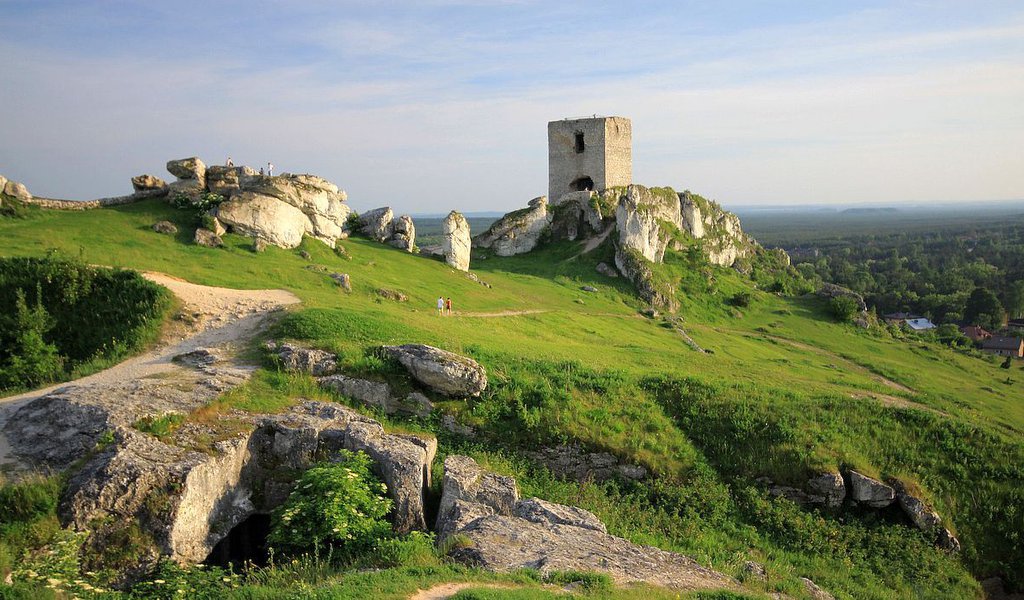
(503, 313)
(443, 591)
(213, 317)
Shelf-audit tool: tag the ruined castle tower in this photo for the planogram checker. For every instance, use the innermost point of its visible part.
(589, 154)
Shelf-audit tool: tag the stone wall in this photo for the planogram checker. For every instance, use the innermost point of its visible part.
(606, 157)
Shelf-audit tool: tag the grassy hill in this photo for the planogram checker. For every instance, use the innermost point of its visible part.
(785, 393)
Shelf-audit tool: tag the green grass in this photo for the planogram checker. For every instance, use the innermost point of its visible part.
(786, 392)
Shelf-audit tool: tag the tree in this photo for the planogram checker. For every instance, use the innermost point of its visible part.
(32, 360)
(1015, 299)
(984, 308)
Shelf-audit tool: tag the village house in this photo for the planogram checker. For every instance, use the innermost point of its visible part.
(975, 333)
(1004, 346)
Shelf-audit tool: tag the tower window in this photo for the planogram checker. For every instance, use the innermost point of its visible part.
(580, 146)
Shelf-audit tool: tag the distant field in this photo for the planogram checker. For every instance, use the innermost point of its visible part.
(792, 227)
(428, 229)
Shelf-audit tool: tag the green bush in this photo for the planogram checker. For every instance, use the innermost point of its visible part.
(414, 550)
(843, 308)
(341, 507)
(57, 314)
(199, 205)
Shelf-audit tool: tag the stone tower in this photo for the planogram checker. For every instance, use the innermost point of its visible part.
(589, 154)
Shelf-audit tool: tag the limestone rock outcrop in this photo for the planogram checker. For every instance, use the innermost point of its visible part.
(572, 462)
(165, 227)
(924, 517)
(503, 533)
(404, 236)
(831, 290)
(456, 241)
(16, 190)
(830, 487)
(439, 370)
(147, 183)
(205, 237)
(306, 360)
(870, 491)
(381, 225)
(641, 219)
(583, 214)
(264, 217)
(188, 168)
(517, 232)
(187, 501)
(377, 223)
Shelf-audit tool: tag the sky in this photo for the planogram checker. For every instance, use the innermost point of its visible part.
(436, 105)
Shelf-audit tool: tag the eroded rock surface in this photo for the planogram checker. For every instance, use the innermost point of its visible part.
(517, 232)
(456, 241)
(870, 491)
(573, 462)
(504, 533)
(439, 370)
(187, 501)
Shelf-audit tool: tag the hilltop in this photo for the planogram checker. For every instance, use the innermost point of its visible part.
(692, 358)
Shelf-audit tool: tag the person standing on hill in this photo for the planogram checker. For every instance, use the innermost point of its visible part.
(229, 162)
(270, 169)
(440, 305)
(448, 306)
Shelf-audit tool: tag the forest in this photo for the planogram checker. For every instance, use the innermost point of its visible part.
(950, 266)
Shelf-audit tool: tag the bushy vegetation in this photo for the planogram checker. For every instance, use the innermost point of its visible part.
(58, 315)
(339, 507)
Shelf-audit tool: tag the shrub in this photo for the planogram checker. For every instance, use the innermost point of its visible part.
(340, 506)
(843, 308)
(741, 299)
(414, 550)
(198, 205)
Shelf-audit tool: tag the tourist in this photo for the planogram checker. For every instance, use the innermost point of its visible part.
(440, 305)
(448, 306)
(229, 162)
(261, 172)
(270, 169)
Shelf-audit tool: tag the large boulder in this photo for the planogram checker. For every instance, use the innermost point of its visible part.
(265, 217)
(870, 492)
(501, 533)
(830, 487)
(205, 237)
(456, 241)
(17, 190)
(377, 223)
(517, 232)
(223, 180)
(188, 168)
(304, 360)
(319, 200)
(148, 183)
(404, 236)
(439, 370)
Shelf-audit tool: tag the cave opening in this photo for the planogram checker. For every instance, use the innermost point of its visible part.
(246, 543)
(583, 184)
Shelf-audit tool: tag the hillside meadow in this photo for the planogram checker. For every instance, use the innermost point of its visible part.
(785, 392)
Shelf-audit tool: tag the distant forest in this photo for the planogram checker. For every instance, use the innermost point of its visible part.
(951, 266)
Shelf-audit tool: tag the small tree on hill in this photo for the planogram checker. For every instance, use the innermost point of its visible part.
(844, 308)
(32, 361)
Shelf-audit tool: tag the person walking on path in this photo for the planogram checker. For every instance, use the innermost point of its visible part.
(440, 305)
(270, 169)
(448, 306)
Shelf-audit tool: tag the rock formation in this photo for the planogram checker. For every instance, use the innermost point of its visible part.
(831, 290)
(379, 224)
(455, 242)
(870, 491)
(144, 183)
(439, 370)
(14, 189)
(503, 533)
(517, 232)
(186, 501)
(573, 462)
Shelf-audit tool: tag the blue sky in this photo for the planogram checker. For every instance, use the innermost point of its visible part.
(439, 104)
